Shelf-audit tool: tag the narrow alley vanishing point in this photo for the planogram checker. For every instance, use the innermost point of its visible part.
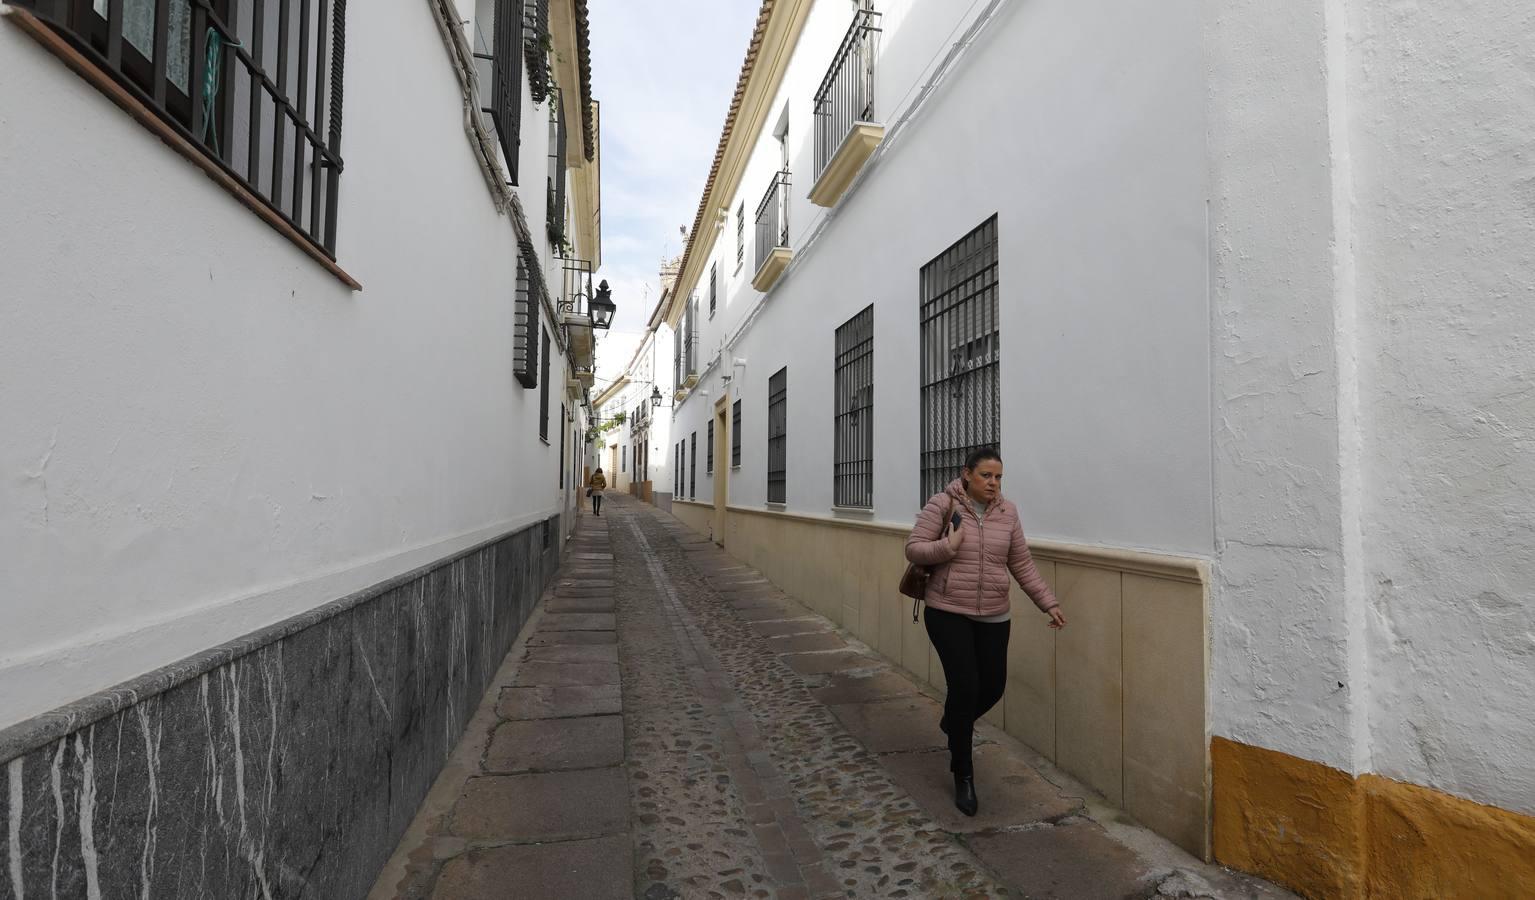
(674, 726)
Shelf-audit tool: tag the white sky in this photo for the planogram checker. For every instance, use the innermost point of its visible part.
(664, 72)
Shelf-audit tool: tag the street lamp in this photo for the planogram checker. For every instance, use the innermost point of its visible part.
(602, 306)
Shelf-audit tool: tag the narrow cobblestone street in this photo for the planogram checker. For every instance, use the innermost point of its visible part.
(674, 726)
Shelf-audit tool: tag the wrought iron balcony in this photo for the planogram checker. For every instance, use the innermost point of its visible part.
(773, 251)
(846, 127)
(575, 316)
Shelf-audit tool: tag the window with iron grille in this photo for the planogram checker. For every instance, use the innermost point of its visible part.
(525, 327)
(498, 54)
(255, 87)
(740, 233)
(562, 447)
(623, 458)
(709, 468)
(959, 347)
(687, 365)
(543, 389)
(778, 437)
(714, 286)
(735, 435)
(677, 473)
(853, 454)
(555, 212)
(535, 35)
(693, 468)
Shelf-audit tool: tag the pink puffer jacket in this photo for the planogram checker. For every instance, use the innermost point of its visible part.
(973, 581)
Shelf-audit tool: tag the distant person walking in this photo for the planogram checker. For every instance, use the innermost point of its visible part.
(594, 488)
(970, 538)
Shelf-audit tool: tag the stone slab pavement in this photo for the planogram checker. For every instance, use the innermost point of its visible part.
(671, 725)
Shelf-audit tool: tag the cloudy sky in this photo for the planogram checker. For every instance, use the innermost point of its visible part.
(664, 71)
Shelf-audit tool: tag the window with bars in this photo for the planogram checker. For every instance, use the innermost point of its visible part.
(677, 474)
(853, 426)
(562, 447)
(709, 468)
(623, 458)
(256, 87)
(740, 234)
(735, 435)
(498, 53)
(778, 437)
(525, 326)
(959, 346)
(535, 34)
(555, 211)
(543, 388)
(714, 287)
(693, 468)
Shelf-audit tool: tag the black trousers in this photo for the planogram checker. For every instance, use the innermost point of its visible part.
(974, 657)
(597, 504)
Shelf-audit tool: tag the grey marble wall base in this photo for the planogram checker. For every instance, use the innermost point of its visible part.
(283, 765)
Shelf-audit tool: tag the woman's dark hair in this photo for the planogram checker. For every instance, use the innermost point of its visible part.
(980, 455)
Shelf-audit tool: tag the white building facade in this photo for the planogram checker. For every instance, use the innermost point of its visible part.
(296, 343)
(1150, 252)
(636, 408)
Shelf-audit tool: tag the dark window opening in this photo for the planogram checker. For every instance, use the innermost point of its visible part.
(256, 87)
(778, 437)
(853, 456)
(735, 435)
(543, 389)
(960, 346)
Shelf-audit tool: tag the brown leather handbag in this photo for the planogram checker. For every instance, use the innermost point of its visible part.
(914, 582)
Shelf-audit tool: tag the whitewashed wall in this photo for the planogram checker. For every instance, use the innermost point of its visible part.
(1098, 180)
(202, 431)
(1443, 122)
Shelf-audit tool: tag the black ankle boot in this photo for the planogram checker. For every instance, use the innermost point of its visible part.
(964, 794)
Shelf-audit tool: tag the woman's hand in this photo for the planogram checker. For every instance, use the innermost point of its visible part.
(956, 537)
(1057, 619)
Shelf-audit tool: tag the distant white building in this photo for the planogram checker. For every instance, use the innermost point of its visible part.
(296, 338)
(643, 395)
(1237, 292)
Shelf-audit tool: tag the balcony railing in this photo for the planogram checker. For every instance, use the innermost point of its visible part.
(846, 95)
(773, 218)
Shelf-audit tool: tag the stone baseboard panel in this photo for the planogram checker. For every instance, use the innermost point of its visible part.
(284, 764)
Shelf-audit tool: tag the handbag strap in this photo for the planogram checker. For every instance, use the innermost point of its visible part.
(916, 604)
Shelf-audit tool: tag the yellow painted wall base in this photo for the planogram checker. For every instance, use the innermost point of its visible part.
(1326, 834)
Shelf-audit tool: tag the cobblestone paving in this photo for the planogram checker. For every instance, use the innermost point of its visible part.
(761, 756)
(874, 840)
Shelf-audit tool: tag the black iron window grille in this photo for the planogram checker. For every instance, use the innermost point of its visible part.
(498, 54)
(543, 387)
(562, 447)
(960, 345)
(740, 233)
(693, 469)
(735, 435)
(555, 216)
(709, 468)
(536, 46)
(773, 218)
(256, 86)
(846, 95)
(778, 437)
(677, 470)
(853, 460)
(623, 458)
(525, 326)
(714, 287)
(687, 346)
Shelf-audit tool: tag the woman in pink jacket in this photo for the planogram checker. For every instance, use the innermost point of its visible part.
(970, 539)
